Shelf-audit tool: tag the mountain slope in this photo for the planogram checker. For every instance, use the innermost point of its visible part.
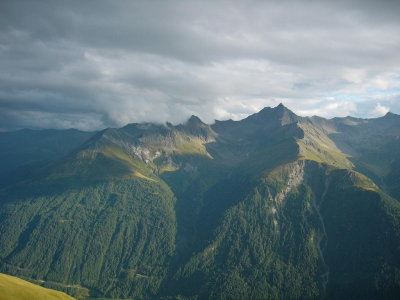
(27, 147)
(372, 145)
(119, 233)
(13, 288)
(280, 240)
(99, 217)
(364, 238)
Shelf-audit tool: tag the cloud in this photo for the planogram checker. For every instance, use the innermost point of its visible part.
(91, 66)
(380, 110)
(338, 108)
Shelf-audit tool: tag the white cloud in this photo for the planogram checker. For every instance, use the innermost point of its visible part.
(339, 108)
(380, 110)
(356, 76)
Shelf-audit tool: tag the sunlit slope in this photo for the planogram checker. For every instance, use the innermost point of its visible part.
(13, 288)
(105, 156)
(316, 145)
(137, 150)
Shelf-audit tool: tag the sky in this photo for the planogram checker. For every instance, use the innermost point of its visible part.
(96, 64)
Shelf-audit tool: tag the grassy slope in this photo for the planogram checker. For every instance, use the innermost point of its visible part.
(109, 161)
(13, 288)
(317, 146)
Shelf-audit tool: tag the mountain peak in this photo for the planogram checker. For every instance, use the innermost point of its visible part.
(194, 120)
(389, 114)
(283, 109)
(197, 127)
(280, 114)
(281, 106)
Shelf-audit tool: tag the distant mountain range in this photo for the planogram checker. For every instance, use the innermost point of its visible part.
(275, 206)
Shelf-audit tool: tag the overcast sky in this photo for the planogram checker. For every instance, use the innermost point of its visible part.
(95, 64)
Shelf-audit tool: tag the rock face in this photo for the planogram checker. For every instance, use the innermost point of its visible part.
(274, 206)
(295, 177)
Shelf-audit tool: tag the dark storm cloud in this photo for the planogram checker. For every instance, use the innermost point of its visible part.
(91, 64)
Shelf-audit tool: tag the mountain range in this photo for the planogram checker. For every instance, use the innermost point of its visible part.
(274, 206)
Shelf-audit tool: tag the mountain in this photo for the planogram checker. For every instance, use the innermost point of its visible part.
(24, 150)
(13, 288)
(274, 206)
(374, 146)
